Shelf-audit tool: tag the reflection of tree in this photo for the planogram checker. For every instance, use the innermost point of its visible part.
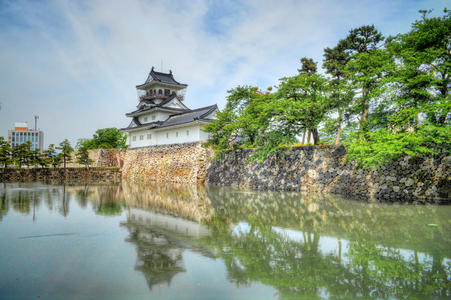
(63, 207)
(4, 205)
(299, 269)
(108, 201)
(21, 202)
(82, 195)
(109, 208)
(397, 226)
(383, 272)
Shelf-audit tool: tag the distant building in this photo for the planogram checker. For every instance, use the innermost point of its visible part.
(161, 116)
(22, 134)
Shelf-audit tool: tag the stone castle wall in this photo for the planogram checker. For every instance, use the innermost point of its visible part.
(101, 158)
(98, 175)
(313, 169)
(181, 163)
(178, 163)
(323, 169)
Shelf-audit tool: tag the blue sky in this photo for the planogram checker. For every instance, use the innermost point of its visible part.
(76, 64)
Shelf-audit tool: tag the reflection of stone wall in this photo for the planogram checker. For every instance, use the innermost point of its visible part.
(183, 163)
(104, 175)
(323, 169)
(187, 201)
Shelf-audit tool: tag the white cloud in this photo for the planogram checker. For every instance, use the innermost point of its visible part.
(76, 64)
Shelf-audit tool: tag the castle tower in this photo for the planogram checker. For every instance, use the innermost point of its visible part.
(162, 117)
(160, 86)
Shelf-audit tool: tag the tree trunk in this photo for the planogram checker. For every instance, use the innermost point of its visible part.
(337, 141)
(308, 136)
(315, 136)
(365, 111)
(303, 136)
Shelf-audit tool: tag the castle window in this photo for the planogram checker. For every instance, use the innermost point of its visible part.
(153, 117)
(134, 138)
(145, 119)
(167, 92)
(176, 134)
(149, 136)
(160, 92)
(187, 132)
(167, 135)
(141, 137)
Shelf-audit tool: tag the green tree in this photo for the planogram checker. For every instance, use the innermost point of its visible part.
(342, 94)
(423, 72)
(52, 157)
(35, 158)
(106, 138)
(268, 120)
(5, 153)
(365, 68)
(305, 99)
(236, 124)
(418, 121)
(82, 156)
(57, 160)
(66, 151)
(21, 154)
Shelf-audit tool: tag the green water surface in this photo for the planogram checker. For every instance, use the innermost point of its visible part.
(131, 241)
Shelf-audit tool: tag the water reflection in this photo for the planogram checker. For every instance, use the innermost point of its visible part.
(305, 246)
(160, 241)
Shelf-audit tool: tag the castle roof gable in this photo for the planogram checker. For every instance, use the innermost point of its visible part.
(160, 77)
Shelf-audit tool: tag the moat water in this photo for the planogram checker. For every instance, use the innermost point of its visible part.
(133, 241)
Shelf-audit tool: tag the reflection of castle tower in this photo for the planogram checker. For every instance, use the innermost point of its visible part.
(160, 241)
(159, 259)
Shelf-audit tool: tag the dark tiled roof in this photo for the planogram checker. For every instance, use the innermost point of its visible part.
(136, 120)
(153, 105)
(167, 78)
(190, 116)
(150, 125)
(183, 117)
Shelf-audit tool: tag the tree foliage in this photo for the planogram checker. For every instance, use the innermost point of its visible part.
(21, 154)
(82, 156)
(66, 151)
(414, 117)
(5, 153)
(382, 98)
(106, 138)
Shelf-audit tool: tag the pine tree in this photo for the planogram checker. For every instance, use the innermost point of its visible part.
(5, 153)
(83, 156)
(66, 150)
(21, 154)
(51, 157)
